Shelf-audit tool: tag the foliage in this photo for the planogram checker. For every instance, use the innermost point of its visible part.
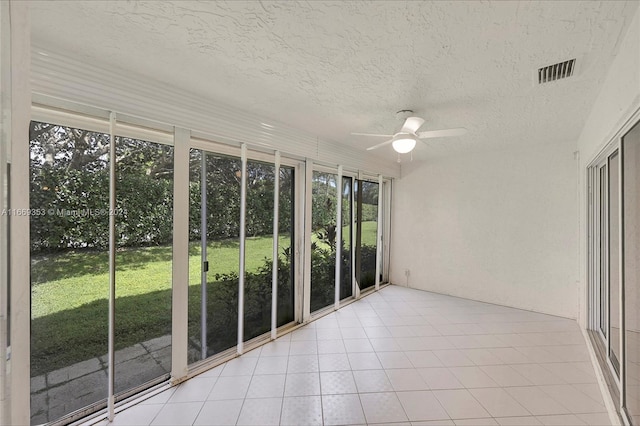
(323, 200)
(323, 261)
(367, 266)
(70, 178)
(222, 307)
(69, 186)
(323, 274)
(369, 212)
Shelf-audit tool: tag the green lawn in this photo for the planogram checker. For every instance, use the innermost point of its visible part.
(70, 295)
(369, 230)
(70, 280)
(73, 279)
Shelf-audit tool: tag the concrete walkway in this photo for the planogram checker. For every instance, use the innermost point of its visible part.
(63, 391)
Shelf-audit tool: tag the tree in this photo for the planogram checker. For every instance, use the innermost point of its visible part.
(70, 186)
(70, 177)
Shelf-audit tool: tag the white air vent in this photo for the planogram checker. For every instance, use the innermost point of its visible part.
(556, 71)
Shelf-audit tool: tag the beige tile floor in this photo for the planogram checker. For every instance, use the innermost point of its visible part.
(399, 356)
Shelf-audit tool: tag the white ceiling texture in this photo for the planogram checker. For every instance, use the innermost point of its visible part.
(332, 68)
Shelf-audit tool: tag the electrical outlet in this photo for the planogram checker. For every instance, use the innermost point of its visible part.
(407, 272)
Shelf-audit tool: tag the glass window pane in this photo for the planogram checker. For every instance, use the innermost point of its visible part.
(286, 304)
(144, 229)
(213, 314)
(323, 240)
(604, 294)
(259, 249)
(69, 185)
(386, 214)
(631, 220)
(367, 196)
(614, 258)
(346, 287)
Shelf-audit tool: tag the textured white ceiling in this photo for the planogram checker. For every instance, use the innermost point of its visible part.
(331, 68)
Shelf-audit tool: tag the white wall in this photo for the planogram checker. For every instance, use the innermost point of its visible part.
(501, 227)
(617, 101)
(497, 227)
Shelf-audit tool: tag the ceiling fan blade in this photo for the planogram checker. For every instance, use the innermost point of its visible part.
(371, 148)
(412, 124)
(442, 133)
(372, 134)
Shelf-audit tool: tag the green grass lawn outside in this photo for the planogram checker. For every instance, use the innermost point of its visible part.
(70, 295)
(70, 280)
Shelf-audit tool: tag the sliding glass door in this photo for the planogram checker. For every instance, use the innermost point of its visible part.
(214, 252)
(366, 199)
(359, 264)
(323, 239)
(346, 270)
(603, 282)
(103, 257)
(70, 201)
(69, 174)
(108, 274)
(631, 253)
(614, 261)
(259, 249)
(286, 247)
(607, 284)
(144, 201)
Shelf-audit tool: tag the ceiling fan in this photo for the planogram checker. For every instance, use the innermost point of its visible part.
(405, 140)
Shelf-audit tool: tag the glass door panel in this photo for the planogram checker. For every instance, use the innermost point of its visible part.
(603, 278)
(631, 220)
(614, 259)
(386, 216)
(69, 192)
(144, 229)
(366, 233)
(214, 253)
(286, 220)
(346, 283)
(259, 249)
(323, 239)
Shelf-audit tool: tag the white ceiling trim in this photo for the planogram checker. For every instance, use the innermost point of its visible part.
(58, 75)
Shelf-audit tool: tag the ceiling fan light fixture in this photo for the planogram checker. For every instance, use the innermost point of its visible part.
(403, 143)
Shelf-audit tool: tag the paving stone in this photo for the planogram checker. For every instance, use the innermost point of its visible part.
(137, 371)
(89, 398)
(40, 418)
(76, 394)
(157, 343)
(75, 389)
(39, 408)
(124, 355)
(38, 383)
(163, 357)
(73, 371)
(80, 387)
(58, 411)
